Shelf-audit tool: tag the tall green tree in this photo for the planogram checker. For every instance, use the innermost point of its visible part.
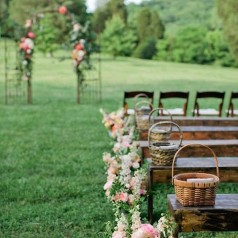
(100, 16)
(143, 23)
(118, 7)
(227, 10)
(149, 24)
(117, 39)
(157, 27)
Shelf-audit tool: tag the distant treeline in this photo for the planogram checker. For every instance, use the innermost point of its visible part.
(186, 31)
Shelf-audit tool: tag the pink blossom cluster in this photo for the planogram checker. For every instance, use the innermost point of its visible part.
(27, 44)
(123, 169)
(114, 122)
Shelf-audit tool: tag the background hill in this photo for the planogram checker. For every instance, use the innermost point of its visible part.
(180, 13)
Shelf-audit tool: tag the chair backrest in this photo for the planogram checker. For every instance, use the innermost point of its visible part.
(208, 94)
(175, 94)
(230, 111)
(140, 94)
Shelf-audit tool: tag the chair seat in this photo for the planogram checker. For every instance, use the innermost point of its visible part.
(208, 112)
(131, 112)
(235, 112)
(175, 111)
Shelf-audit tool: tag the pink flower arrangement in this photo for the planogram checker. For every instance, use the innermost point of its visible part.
(26, 48)
(126, 184)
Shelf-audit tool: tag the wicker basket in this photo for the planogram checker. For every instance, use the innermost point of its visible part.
(195, 189)
(142, 111)
(158, 134)
(162, 151)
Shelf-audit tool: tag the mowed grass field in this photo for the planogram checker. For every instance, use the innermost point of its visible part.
(51, 167)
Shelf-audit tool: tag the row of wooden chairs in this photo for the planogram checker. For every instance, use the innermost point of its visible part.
(184, 96)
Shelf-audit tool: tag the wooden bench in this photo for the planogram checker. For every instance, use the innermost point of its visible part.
(223, 216)
(200, 121)
(202, 133)
(228, 167)
(222, 148)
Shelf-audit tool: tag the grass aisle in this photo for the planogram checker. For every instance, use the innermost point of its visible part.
(51, 170)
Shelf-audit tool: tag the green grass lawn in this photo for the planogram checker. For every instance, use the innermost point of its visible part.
(52, 173)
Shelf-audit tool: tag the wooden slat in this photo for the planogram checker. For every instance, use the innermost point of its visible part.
(222, 148)
(228, 167)
(201, 121)
(202, 133)
(223, 216)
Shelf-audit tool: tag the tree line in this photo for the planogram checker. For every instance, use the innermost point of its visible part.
(197, 31)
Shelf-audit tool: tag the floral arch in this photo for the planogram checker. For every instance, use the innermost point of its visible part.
(85, 65)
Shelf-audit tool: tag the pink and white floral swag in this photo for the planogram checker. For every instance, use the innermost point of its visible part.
(126, 182)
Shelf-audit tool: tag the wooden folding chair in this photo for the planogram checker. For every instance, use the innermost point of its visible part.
(132, 95)
(198, 111)
(182, 111)
(231, 108)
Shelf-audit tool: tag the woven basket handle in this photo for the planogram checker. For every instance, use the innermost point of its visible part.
(140, 95)
(143, 102)
(166, 122)
(159, 109)
(214, 155)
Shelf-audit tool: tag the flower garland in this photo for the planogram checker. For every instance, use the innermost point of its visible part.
(26, 50)
(126, 182)
(82, 41)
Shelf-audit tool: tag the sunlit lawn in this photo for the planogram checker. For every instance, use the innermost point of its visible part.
(52, 173)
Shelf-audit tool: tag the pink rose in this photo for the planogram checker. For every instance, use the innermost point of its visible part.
(31, 35)
(149, 230)
(62, 10)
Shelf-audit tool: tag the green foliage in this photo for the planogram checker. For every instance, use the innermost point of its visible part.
(20, 10)
(178, 14)
(149, 25)
(78, 8)
(227, 10)
(218, 50)
(195, 45)
(106, 11)
(117, 39)
(146, 49)
(100, 16)
(117, 7)
(47, 35)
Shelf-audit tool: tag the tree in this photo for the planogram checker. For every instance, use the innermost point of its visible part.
(20, 10)
(100, 16)
(117, 39)
(143, 23)
(47, 35)
(149, 24)
(156, 25)
(117, 7)
(227, 10)
(101, 3)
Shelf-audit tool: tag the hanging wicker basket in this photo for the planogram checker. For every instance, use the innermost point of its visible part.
(195, 189)
(162, 151)
(156, 133)
(142, 111)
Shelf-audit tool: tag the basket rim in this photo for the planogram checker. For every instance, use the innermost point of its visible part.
(178, 182)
